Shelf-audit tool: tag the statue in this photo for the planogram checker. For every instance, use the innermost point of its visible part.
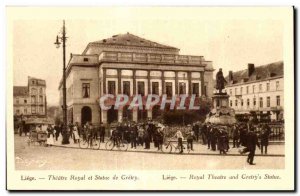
(220, 81)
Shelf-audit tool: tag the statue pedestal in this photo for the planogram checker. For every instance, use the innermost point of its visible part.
(221, 113)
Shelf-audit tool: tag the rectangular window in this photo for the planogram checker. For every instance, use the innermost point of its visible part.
(253, 88)
(260, 87)
(25, 100)
(248, 102)
(182, 88)
(155, 88)
(126, 88)
(268, 101)
(41, 99)
(278, 100)
(261, 103)
(18, 111)
(230, 103)
(33, 99)
(25, 110)
(254, 101)
(85, 90)
(141, 88)
(17, 100)
(195, 88)
(242, 102)
(230, 91)
(241, 90)
(111, 87)
(236, 103)
(268, 86)
(169, 89)
(33, 109)
(235, 91)
(277, 85)
(247, 89)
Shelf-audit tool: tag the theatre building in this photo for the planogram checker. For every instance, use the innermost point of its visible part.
(257, 91)
(128, 64)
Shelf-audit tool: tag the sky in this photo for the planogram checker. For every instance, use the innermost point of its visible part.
(230, 38)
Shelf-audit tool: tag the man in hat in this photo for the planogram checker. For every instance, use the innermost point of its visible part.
(252, 142)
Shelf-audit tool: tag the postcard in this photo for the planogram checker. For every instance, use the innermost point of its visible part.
(150, 98)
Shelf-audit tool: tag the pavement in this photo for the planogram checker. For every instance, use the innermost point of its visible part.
(71, 157)
(274, 149)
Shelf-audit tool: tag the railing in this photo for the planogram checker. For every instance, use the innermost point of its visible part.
(151, 58)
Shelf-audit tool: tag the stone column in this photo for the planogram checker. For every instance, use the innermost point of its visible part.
(163, 82)
(134, 81)
(202, 82)
(190, 82)
(104, 81)
(148, 80)
(149, 113)
(135, 114)
(176, 82)
(104, 116)
(119, 82)
(120, 115)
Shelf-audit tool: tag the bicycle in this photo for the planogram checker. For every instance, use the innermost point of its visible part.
(169, 146)
(91, 141)
(120, 144)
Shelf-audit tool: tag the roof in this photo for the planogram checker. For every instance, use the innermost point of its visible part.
(129, 39)
(20, 91)
(84, 59)
(260, 73)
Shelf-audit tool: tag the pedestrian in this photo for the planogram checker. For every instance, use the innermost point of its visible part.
(50, 136)
(133, 136)
(75, 133)
(179, 136)
(160, 137)
(57, 132)
(235, 136)
(204, 134)
(213, 138)
(264, 138)
(209, 135)
(252, 142)
(222, 143)
(141, 133)
(102, 132)
(190, 138)
(196, 131)
(147, 139)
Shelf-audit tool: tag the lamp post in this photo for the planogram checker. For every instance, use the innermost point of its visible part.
(63, 38)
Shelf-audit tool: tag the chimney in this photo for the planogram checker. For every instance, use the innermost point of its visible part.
(251, 69)
(230, 76)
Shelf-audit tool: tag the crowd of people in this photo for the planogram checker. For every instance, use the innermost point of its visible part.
(216, 137)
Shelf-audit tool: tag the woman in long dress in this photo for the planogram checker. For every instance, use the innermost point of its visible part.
(76, 134)
(50, 134)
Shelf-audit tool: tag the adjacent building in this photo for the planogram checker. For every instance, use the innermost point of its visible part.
(128, 64)
(30, 100)
(258, 91)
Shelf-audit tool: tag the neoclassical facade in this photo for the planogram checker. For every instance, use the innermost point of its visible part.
(258, 90)
(128, 64)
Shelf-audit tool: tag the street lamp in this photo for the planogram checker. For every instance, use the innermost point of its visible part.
(63, 38)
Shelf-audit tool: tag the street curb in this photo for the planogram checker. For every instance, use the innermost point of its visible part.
(153, 152)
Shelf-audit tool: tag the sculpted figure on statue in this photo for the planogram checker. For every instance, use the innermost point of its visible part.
(220, 81)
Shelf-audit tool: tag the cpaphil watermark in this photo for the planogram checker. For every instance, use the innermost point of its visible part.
(178, 102)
